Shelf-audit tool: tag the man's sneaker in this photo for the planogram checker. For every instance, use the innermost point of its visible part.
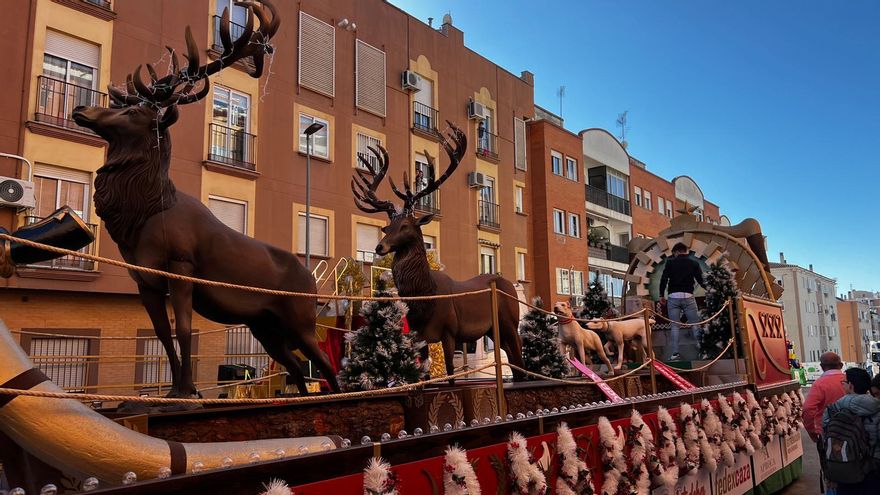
(675, 357)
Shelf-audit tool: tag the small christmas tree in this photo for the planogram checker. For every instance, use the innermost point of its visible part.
(720, 286)
(540, 344)
(381, 355)
(595, 301)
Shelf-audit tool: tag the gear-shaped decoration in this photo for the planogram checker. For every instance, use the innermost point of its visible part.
(741, 244)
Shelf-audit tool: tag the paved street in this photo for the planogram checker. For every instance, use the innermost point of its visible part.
(809, 480)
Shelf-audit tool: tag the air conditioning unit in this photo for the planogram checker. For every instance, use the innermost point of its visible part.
(476, 110)
(18, 193)
(410, 80)
(476, 180)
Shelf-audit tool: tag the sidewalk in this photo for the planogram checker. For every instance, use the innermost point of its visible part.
(808, 483)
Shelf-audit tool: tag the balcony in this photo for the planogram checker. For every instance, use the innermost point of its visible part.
(232, 147)
(68, 262)
(603, 198)
(56, 100)
(235, 32)
(619, 254)
(488, 215)
(425, 119)
(429, 203)
(487, 145)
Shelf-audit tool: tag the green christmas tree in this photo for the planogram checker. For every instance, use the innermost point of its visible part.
(381, 355)
(540, 344)
(720, 286)
(596, 302)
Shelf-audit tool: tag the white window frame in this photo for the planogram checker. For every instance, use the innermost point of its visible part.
(363, 255)
(302, 137)
(661, 204)
(556, 163)
(301, 217)
(577, 282)
(638, 193)
(647, 199)
(520, 265)
(223, 199)
(490, 255)
(563, 282)
(519, 199)
(558, 221)
(571, 168)
(370, 140)
(574, 225)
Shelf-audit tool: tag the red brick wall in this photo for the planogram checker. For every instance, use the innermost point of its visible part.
(649, 222)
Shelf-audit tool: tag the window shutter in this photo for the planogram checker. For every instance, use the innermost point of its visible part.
(519, 138)
(69, 372)
(73, 49)
(317, 237)
(317, 49)
(67, 174)
(425, 94)
(367, 237)
(233, 215)
(370, 84)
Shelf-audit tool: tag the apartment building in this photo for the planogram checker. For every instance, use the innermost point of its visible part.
(366, 70)
(809, 308)
(856, 331)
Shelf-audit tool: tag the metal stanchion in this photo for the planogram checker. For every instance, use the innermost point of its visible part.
(646, 314)
(730, 314)
(499, 384)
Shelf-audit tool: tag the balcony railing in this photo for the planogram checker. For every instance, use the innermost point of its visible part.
(56, 100)
(488, 214)
(100, 3)
(429, 203)
(235, 32)
(69, 262)
(603, 198)
(619, 254)
(232, 147)
(424, 118)
(487, 144)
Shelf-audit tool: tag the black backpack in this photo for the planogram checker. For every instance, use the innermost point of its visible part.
(843, 448)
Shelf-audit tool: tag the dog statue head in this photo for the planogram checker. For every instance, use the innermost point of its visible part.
(563, 308)
(597, 324)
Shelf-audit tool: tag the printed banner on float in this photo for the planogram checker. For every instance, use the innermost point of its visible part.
(768, 355)
(736, 479)
(768, 460)
(672, 376)
(698, 483)
(792, 448)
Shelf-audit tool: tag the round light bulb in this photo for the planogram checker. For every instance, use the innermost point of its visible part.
(164, 472)
(401, 434)
(564, 408)
(530, 414)
(325, 446)
(365, 440)
(129, 478)
(447, 427)
(90, 484)
(303, 450)
(49, 489)
(554, 410)
(487, 421)
(254, 457)
(461, 425)
(475, 422)
(280, 453)
(226, 462)
(198, 467)
(418, 432)
(521, 415)
(17, 491)
(385, 437)
(498, 419)
(434, 429)
(508, 417)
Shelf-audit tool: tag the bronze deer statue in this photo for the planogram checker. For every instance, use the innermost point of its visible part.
(157, 226)
(449, 321)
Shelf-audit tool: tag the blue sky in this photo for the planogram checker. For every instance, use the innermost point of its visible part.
(772, 107)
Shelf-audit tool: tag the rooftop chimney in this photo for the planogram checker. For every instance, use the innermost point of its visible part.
(781, 257)
(430, 21)
(811, 267)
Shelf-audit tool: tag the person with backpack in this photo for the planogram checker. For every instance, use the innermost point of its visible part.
(825, 391)
(849, 448)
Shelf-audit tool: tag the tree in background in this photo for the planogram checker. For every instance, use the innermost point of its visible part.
(540, 344)
(720, 286)
(596, 302)
(381, 355)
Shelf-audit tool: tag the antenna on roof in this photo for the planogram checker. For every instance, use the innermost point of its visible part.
(621, 122)
(560, 93)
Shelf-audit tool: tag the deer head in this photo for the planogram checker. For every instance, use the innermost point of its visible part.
(405, 229)
(140, 110)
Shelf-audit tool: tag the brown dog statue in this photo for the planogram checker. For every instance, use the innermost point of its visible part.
(621, 331)
(581, 339)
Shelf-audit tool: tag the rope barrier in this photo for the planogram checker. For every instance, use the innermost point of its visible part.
(277, 400)
(696, 324)
(575, 382)
(705, 366)
(244, 382)
(582, 320)
(226, 285)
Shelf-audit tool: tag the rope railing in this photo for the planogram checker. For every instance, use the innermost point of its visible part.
(705, 366)
(698, 323)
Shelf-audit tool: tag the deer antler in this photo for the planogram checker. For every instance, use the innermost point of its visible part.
(177, 87)
(364, 187)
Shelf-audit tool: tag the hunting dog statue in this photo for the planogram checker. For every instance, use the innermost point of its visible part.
(620, 332)
(449, 321)
(158, 227)
(581, 339)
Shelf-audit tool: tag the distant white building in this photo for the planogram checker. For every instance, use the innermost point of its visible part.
(809, 306)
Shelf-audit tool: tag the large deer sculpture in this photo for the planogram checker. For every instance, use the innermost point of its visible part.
(449, 321)
(157, 226)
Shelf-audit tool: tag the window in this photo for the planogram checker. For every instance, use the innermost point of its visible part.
(617, 184)
(638, 191)
(318, 237)
(559, 221)
(563, 281)
(364, 143)
(230, 212)
(699, 215)
(153, 367)
(519, 144)
(661, 205)
(669, 209)
(520, 265)
(320, 140)
(577, 282)
(488, 260)
(556, 163)
(245, 349)
(430, 242)
(230, 140)
(647, 200)
(59, 358)
(424, 114)
(574, 225)
(623, 239)
(571, 168)
(70, 76)
(317, 53)
(55, 187)
(370, 74)
(518, 195)
(231, 108)
(424, 176)
(368, 236)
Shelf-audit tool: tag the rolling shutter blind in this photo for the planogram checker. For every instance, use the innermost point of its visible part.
(233, 215)
(317, 48)
(67, 174)
(370, 68)
(519, 137)
(425, 94)
(73, 49)
(367, 237)
(317, 237)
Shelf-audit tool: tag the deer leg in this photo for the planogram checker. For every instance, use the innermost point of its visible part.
(154, 302)
(181, 301)
(285, 358)
(311, 350)
(449, 354)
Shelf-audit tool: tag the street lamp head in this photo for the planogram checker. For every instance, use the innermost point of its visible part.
(315, 127)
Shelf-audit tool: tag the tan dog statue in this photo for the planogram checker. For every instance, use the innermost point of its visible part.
(621, 331)
(581, 339)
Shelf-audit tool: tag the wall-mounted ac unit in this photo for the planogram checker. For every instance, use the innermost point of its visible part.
(476, 180)
(410, 80)
(476, 110)
(17, 193)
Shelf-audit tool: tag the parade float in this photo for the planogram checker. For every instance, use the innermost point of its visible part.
(726, 425)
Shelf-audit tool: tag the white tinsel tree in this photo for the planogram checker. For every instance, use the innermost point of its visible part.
(540, 344)
(595, 301)
(381, 355)
(720, 286)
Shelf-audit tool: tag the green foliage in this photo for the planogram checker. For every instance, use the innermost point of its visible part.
(720, 286)
(540, 345)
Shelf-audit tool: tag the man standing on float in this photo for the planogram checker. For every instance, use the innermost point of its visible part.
(679, 274)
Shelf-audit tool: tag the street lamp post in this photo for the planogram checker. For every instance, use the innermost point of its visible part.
(315, 127)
